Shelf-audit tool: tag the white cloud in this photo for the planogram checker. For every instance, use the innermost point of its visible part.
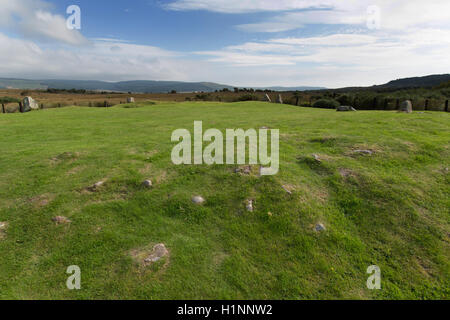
(245, 6)
(33, 20)
(329, 40)
(394, 15)
(293, 14)
(365, 59)
(102, 60)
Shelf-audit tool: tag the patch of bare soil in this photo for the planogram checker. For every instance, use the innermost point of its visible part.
(74, 170)
(364, 150)
(42, 200)
(347, 173)
(65, 157)
(248, 170)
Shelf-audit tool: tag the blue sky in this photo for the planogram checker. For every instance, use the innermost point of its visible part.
(329, 43)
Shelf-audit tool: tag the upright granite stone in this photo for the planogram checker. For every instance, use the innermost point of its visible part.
(267, 98)
(130, 100)
(30, 104)
(406, 106)
(280, 99)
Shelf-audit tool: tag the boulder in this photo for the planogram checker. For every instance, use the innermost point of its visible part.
(267, 98)
(406, 106)
(280, 99)
(29, 104)
(345, 108)
(130, 100)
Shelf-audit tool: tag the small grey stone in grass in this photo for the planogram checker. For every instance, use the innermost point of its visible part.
(368, 152)
(96, 186)
(317, 158)
(198, 200)
(320, 227)
(249, 205)
(3, 226)
(159, 252)
(61, 220)
(147, 183)
(99, 184)
(287, 190)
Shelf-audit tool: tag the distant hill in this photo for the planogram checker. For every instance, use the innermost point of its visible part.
(149, 86)
(426, 82)
(20, 84)
(405, 83)
(303, 88)
(124, 86)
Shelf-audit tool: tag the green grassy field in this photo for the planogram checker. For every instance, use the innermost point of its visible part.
(389, 209)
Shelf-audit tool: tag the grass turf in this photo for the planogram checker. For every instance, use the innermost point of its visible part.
(390, 209)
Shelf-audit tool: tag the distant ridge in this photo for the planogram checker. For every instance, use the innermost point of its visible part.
(138, 86)
(149, 86)
(303, 88)
(406, 83)
(427, 81)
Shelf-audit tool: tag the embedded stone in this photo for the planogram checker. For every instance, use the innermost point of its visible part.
(320, 227)
(159, 252)
(198, 200)
(61, 220)
(147, 183)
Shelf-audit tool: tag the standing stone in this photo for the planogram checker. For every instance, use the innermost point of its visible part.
(29, 104)
(280, 99)
(267, 98)
(130, 100)
(406, 106)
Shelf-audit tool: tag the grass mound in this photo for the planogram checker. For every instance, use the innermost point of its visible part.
(388, 207)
